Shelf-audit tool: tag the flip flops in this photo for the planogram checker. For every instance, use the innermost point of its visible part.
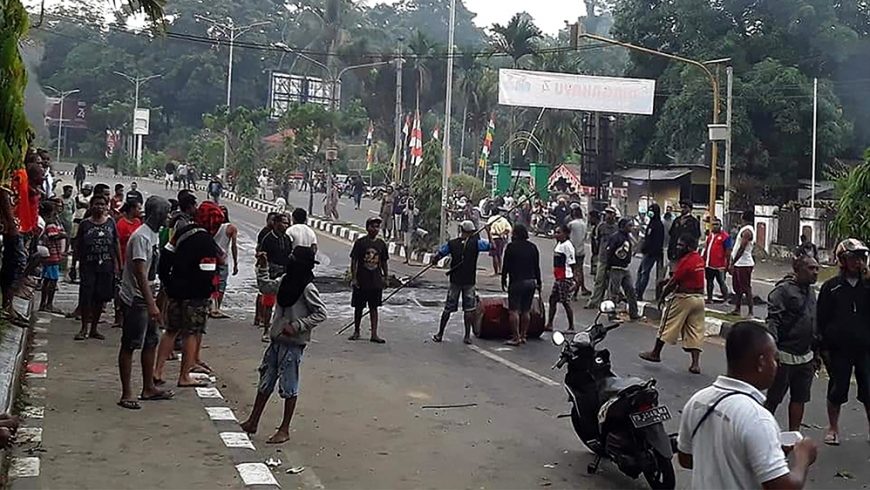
(129, 404)
(832, 439)
(162, 395)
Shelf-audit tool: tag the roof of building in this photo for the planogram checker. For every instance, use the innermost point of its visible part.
(653, 174)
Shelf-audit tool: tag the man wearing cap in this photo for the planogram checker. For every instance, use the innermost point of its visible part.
(463, 251)
(602, 275)
(842, 320)
(499, 229)
(685, 223)
(368, 272)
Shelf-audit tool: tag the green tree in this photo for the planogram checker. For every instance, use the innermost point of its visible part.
(517, 38)
(426, 188)
(853, 204)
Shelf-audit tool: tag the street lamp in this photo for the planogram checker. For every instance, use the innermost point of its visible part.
(137, 81)
(231, 31)
(714, 156)
(62, 95)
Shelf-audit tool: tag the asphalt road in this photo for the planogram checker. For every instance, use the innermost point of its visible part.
(362, 419)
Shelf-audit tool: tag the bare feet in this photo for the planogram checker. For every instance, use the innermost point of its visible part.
(513, 342)
(437, 338)
(377, 340)
(695, 369)
(649, 356)
(248, 427)
(466, 341)
(279, 437)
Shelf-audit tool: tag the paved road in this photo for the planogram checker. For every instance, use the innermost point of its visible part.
(362, 419)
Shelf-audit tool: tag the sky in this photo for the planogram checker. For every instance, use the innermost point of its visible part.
(549, 15)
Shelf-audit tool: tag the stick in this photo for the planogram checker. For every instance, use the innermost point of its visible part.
(459, 405)
(425, 269)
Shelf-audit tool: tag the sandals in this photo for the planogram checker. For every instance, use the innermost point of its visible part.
(97, 335)
(355, 336)
(377, 340)
(436, 338)
(160, 395)
(129, 404)
(832, 439)
(83, 336)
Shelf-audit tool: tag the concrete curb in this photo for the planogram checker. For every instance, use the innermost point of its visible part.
(714, 327)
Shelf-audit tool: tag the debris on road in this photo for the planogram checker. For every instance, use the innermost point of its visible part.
(846, 475)
(458, 405)
(273, 462)
(550, 466)
(295, 470)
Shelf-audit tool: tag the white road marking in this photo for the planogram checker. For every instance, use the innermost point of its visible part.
(28, 434)
(39, 357)
(40, 342)
(36, 375)
(34, 412)
(256, 474)
(208, 393)
(221, 413)
(24, 467)
(237, 439)
(516, 367)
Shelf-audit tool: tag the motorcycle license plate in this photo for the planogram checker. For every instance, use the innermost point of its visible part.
(649, 417)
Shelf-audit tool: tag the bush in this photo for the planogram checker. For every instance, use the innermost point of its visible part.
(470, 185)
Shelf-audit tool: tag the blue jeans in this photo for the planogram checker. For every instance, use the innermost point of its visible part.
(643, 272)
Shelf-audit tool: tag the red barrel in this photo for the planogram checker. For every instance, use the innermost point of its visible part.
(492, 318)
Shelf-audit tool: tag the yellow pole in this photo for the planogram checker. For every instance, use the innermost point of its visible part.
(714, 157)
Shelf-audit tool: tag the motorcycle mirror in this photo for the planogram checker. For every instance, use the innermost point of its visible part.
(558, 338)
(607, 307)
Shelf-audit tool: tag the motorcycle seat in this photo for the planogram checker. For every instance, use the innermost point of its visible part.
(612, 387)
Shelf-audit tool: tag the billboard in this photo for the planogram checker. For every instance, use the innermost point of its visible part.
(575, 92)
(75, 112)
(286, 89)
(141, 121)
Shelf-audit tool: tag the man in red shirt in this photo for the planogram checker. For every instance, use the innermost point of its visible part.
(683, 313)
(717, 253)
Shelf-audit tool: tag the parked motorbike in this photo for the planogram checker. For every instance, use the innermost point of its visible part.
(544, 225)
(617, 418)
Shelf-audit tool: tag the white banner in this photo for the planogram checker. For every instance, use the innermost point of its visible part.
(575, 92)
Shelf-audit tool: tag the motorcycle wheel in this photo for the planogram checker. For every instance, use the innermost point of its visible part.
(662, 477)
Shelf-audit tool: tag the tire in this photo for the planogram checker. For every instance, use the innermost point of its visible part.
(663, 476)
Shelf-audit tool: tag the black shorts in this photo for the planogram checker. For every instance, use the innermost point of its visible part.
(96, 287)
(360, 298)
(137, 329)
(520, 295)
(840, 364)
(796, 379)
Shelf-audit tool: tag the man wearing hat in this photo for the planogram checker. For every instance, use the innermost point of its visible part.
(499, 229)
(602, 275)
(463, 251)
(368, 272)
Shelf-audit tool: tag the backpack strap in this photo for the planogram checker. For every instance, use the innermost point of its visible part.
(713, 406)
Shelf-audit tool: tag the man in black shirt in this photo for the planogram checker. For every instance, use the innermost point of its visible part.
(277, 247)
(520, 277)
(134, 195)
(652, 250)
(684, 224)
(258, 307)
(843, 324)
(368, 271)
(463, 251)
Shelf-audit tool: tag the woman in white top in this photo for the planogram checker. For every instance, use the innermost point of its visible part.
(742, 263)
(226, 238)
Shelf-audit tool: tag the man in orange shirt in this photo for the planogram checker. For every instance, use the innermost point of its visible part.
(683, 313)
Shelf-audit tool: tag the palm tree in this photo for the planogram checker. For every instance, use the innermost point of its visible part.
(516, 39)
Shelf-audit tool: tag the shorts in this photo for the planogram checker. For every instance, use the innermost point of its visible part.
(796, 379)
(498, 246)
(520, 295)
(563, 290)
(51, 272)
(741, 279)
(360, 298)
(268, 300)
(281, 365)
(469, 298)
(137, 329)
(96, 287)
(169, 178)
(223, 275)
(840, 364)
(683, 317)
(187, 316)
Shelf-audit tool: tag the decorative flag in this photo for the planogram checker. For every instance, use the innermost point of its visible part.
(370, 147)
(416, 141)
(406, 129)
(436, 132)
(487, 143)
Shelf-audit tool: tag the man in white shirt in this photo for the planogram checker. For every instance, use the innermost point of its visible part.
(727, 438)
(742, 264)
(301, 235)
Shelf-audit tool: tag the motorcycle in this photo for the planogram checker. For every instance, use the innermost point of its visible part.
(617, 418)
(544, 225)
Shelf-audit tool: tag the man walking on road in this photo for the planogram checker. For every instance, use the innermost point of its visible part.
(276, 244)
(726, 436)
(169, 176)
(684, 224)
(717, 253)
(619, 254)
(602, 275)
(499, 230)
(227, 239)
(520, 277)
(742, 264)
(141, 314)
(683, 313)
(386, 212)
(578, 228)
(299, 309)
(843, 313)
(368, 271)
(652, 250)
(791, 319)
(79, 175)
(563, 273)
(463, 251)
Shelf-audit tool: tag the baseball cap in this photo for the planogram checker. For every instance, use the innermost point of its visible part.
(467, 226)
(610, 209)
(374, 219)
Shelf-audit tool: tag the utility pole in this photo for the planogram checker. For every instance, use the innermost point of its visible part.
(137, 138)
(726, 198)
(815, 133)
(62, 95)
(397, 149)
(445, 152)
(231, 32)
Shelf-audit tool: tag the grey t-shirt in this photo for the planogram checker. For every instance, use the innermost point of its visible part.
(578, 235)
(143, 245)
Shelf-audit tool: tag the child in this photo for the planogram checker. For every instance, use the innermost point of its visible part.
(298, 310)
(54, 239)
